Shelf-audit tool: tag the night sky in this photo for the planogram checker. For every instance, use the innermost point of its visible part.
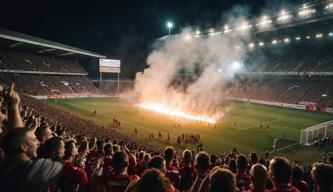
(120, 29)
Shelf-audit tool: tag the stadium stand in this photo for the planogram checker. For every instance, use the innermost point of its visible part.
(43, 68)
(286, 90)
(299, 57)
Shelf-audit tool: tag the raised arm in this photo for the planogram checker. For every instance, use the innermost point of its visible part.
(13, 101)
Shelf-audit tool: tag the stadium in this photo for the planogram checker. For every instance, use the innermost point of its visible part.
(210, 109)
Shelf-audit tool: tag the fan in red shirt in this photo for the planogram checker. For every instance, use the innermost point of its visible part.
(297, 179)
(243, 179)
(186, 171)
(171, 171)
(152, 180)
(93, 157)
(259, 178)
(119, 179)
(140, 163)
(72, 177)
(280, 171)
(107, 161)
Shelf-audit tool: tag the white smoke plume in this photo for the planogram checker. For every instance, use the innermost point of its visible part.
(218, 57)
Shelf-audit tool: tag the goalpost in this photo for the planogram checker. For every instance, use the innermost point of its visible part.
(315, 133)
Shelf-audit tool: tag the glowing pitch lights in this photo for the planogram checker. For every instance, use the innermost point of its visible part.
(287, 40)
(236, 66)
(284, 17)
(305, 12)
(169, 25)
(329, 7)
(264, 22)
(244, 26)
(251, 45)
(227, 29)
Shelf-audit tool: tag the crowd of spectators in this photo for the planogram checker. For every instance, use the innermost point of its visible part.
(25, 61)
(34, 74)
(293, 90)
(298, 57)
(38, 84)
(46, 149)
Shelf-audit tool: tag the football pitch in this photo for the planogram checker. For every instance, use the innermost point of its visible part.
(246, 126)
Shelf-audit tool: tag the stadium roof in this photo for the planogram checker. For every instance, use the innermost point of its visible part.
(44, 46)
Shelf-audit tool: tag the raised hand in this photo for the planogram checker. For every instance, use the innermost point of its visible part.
(11, 96)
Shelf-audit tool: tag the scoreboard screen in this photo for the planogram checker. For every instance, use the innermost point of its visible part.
(109, 66)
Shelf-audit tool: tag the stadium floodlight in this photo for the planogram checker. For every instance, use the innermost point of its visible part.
(226, 29)
(264, 22)
(274, 41)
(298, 38)
(319, 35)
(305, 12)
(197, 33)
(251, 45)
(169, 25)
(211, 31)
(244, 26)
(286, 40)
(329, 7)
(284, 16)
(261, 44)
(236, 66)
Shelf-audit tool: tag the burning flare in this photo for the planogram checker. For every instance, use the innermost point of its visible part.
(164, 109)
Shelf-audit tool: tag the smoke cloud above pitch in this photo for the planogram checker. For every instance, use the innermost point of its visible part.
(210, 62)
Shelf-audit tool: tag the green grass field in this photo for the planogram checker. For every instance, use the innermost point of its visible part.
(284, 124)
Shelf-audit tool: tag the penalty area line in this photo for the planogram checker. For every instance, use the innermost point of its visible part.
(283, 148)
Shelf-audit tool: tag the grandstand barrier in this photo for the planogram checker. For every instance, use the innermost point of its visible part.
(328, 110)
(40, 72)
(278, 73)
(39, 96)
(302, 106)
(44, 97)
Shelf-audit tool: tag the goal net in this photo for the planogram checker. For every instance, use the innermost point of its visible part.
(315, 133)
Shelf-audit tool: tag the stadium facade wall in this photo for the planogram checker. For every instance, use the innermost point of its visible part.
(287, 73)
(44, 97)
(272, 103)
(329, 110)
(287, 105)
(40, 72)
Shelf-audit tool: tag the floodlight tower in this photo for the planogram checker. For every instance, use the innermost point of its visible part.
(169, 25)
